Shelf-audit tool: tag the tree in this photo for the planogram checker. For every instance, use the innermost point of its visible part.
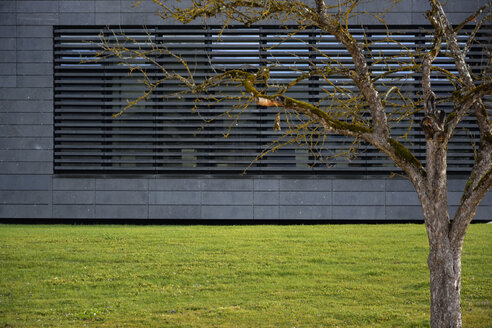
(369, 118)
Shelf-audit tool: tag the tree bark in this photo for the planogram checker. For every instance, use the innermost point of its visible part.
(445, 285)
(444, 263)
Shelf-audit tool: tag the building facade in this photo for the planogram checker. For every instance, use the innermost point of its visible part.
(35, 184)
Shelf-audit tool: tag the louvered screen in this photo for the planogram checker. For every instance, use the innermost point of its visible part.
(164, 135)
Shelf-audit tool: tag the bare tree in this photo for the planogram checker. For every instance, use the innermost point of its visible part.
(369, 117)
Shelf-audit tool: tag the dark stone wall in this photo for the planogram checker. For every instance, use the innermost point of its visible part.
(28, 188)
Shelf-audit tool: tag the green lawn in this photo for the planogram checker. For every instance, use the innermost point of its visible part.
(230, 276)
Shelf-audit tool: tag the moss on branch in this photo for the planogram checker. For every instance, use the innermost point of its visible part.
(248, 81)
(356, 128)
(477, 92)
(403, 153)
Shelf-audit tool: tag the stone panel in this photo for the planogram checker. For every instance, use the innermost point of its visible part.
(25, 211)
(26, 93)
(16, 197)
(174, 212)
(8, 70)
(305, 198)
(34, 81)
(8, 44)
(25, 182)
(68, 6)
(36, 69)
(8, 56)
(108, 18)
(399, 185)
(114, 197)
(7, 6)
(402, 198)
(26, 167)
(112, 183)
(175, 184)
(140, 19)
(484, 213)
(174, 198)
(384, 5)
(227, 198)
(39, 31)
(74, 184)
(404, 213)
(73, 197)
(26, 155)
(358, 185)
(289, 184)
(26, 143)
(305, 213)
(74, 212)
(111, 6)
(358, 213)
(27, 130)
(35, 19)
(149, 7)
(37, 6)
(227, 212)
(358, 198)
(8, 19)
(77, 19)
(266, 198)
(266, 184)
(266, 212)
(26, 106)
(26, 118)
(121, 212)
(227, 184)
(8, 82)
(456, 185)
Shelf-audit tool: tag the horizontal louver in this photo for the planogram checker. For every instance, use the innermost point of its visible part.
(164, 135)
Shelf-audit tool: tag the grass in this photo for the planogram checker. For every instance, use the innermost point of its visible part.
(230, 276)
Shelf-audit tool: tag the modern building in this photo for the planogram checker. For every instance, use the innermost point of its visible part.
(64, 157)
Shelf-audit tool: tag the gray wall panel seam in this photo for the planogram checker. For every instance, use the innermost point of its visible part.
(148, 198)
(201, 184)
(253, 199)
(385, 202)
(278, 199)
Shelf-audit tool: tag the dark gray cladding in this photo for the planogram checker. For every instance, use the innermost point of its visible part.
(29, 189)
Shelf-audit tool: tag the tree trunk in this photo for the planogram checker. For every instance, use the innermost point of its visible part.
(444, 255)
(444, 263)
(445, 285)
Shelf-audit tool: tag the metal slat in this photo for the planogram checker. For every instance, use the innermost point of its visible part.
(161, 136)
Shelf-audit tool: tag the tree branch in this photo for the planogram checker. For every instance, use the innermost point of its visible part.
(472, 17)
(429, 59)
(395, 150)
(330, 123)
(463, 103)
(471, 37)
(360, 75)
(238, 10)
(475, 190)
(321, 10)
(474, 95)
(483, 122)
